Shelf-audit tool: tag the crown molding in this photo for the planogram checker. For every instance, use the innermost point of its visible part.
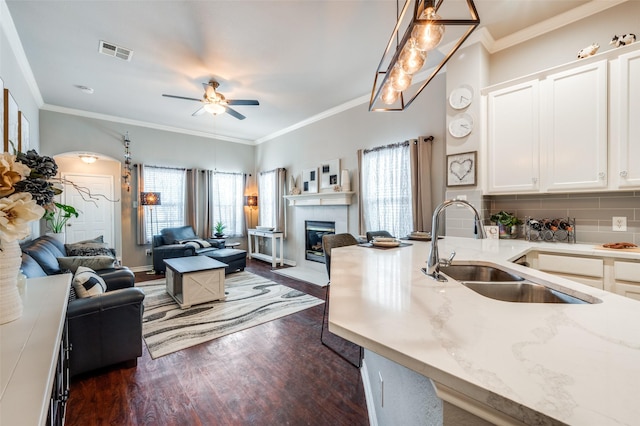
(10, 31)
(105, 117)
(558, 21)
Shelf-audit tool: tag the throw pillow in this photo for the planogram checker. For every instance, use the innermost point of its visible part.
(88, 249)
(98, 239)
(195, 243)
(87, 283)
(72, 263)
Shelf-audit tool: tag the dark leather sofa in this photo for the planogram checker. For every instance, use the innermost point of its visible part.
(104, 329)
(166, 246)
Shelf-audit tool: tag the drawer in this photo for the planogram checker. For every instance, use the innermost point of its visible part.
(585, 266)
(626, 271)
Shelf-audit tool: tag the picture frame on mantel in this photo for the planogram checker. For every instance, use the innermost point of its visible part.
(462, 169)
(329, 175)
(310, 181)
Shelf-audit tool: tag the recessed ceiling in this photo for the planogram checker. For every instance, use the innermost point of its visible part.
(298, 58)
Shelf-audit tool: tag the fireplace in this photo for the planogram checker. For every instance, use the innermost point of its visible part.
(313, 231)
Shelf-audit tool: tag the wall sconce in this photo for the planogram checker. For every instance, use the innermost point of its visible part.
(88, 158)
(425, 30)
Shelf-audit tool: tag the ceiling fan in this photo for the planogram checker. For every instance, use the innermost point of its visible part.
(215, 102)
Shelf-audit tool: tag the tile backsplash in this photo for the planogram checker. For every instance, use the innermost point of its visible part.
(593, 212)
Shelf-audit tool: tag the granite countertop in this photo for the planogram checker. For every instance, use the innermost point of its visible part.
(538, 363)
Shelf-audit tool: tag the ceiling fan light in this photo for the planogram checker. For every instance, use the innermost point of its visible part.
(428, 36)
(214, 108)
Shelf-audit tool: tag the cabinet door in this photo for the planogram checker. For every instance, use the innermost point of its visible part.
(627, 122)
(574, 128)
(513, 139)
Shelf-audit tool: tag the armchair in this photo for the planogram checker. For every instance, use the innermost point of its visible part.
(167, 246)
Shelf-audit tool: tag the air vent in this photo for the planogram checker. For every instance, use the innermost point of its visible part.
(111, 49)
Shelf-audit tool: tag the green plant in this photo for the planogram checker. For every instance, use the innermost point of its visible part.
(506, 219)
(58, 216)
(219, 228)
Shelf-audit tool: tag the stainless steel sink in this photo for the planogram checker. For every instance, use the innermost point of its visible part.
(523, 292)
(464, 272)
(498, 284)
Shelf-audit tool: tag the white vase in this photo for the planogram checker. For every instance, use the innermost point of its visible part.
(345, 182)
(56, 235)
(10, 301)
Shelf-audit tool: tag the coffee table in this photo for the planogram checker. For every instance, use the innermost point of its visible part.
(195, 279)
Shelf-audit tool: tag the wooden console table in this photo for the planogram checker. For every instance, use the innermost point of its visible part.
(33, 356)
(254, 249)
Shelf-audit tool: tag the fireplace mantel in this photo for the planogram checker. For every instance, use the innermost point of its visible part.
(320, 199)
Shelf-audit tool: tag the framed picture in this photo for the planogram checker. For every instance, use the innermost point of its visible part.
(461, 169)
(309, 181)
(329, 174)
(10, 121)
(23, 132)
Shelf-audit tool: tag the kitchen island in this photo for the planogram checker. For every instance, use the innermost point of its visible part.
(509, 363)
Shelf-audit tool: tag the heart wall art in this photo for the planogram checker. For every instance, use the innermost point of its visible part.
(461, 169)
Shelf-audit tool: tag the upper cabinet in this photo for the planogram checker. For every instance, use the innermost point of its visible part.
(567, 129)
(625, 122)
(574, 128)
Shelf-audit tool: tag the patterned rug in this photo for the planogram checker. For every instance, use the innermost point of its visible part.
(251, 300)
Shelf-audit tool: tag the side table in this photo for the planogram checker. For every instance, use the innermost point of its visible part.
(254, 249)
(195, 279)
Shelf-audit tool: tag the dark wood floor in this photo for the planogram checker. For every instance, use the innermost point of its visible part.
(276, 373)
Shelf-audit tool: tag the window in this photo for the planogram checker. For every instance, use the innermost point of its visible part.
(170, 183)
(386, 189)
(228, 202)
(267, 204)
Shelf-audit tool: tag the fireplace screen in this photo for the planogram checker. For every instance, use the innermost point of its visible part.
(314, 230)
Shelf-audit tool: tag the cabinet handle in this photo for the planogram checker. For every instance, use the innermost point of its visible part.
(623, 174)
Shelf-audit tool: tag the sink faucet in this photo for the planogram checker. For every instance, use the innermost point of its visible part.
(434, 261)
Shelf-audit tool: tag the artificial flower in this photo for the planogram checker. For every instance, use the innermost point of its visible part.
(16, 211)
(11, 172)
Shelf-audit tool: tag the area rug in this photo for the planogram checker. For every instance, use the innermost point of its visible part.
(251, 300)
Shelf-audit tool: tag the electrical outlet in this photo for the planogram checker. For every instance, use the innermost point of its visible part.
(620, 223)
(148, 252)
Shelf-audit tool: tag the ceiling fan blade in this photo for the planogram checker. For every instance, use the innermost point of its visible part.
(182, 97)
(200, 111)
(242, 102)
(235, 113)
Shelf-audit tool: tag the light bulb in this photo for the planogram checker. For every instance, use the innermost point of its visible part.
(389, 95)
(411, 58)
(428, 36)
(400, 80)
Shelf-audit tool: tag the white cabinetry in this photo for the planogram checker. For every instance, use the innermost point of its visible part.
(626, 278)
(626, 125)
(585, 270)
(571, 128)
(574, 128)
(513, 131)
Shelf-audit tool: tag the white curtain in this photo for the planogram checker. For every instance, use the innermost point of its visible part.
(228, 202)
(271, 204)
(386, 189)
(171, 212)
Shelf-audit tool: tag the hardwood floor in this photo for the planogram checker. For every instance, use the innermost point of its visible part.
(276, 373)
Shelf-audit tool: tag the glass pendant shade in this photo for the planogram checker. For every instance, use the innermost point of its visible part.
(428, 36)
(400, 80)
(389, 95)
(214, 108)
(411, 58)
